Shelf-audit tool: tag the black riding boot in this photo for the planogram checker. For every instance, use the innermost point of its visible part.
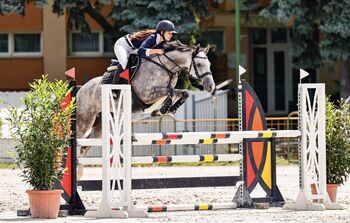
(116, 78)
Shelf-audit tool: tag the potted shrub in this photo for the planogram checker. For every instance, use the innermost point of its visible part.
(337, 145)
(42, 131)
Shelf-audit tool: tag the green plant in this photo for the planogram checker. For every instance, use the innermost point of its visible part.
(337, 141)
(42, 132)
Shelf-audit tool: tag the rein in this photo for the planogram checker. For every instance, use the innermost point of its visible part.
(171, 73)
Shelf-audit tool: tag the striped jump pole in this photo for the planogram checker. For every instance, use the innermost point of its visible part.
(170, 159)
(189, 138)
(189, 207)
(230, 137)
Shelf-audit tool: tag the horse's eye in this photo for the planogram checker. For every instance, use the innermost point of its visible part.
(199, 65)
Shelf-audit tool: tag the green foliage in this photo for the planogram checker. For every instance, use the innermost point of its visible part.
(337, 141)
(334, 24)
(42, 131)
(136, 15)
(7, 7)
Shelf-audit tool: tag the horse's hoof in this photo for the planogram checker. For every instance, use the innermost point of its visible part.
(185, 95)
(155, 113)
(164, 109)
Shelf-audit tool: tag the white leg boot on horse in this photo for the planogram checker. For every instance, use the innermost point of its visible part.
(172, 102)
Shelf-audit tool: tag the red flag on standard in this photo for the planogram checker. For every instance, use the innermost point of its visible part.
(71, 73)
(125, 74)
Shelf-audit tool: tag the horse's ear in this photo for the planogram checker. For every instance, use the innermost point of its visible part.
(197, 47)
(206, 49)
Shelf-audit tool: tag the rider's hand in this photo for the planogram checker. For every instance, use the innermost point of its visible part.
(158, 51)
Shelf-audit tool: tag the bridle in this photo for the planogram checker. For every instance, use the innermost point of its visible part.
(199, 78)
(171, 73)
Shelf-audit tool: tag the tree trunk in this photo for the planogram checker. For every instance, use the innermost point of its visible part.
(99, 18)
(345, 79)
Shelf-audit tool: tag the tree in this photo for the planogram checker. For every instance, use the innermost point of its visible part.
(126, 16)
(321, 32)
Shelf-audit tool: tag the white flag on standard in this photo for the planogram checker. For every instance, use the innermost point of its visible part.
(241, 70)
(303, 74)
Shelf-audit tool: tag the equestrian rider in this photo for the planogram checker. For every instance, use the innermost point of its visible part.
(144, 43)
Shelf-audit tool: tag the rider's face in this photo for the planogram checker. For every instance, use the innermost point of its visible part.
(168, 35)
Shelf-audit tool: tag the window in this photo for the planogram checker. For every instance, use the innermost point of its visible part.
(26, 43)
(279, 35)
(94, 44)
(259, 36)
(4, 43)
(85, 43)
(20, 44)
(108, 45)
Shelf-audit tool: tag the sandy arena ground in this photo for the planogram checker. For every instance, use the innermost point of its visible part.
(13, 197)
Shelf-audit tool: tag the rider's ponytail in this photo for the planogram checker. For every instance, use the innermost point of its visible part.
(141, 35)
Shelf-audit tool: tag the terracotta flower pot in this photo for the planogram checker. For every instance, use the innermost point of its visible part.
(331, 190)
(44, 203)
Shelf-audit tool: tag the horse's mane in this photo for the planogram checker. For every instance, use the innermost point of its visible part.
(176, 45)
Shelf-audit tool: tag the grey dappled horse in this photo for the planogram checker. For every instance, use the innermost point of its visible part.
(155, 78)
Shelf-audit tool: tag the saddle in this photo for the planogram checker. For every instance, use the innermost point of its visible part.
(115, 73)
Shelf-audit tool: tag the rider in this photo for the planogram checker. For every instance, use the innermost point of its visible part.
(144, 43)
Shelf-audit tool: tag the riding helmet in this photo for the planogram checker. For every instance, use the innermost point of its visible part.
(165, 25)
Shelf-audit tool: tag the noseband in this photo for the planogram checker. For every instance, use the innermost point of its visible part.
(199, 78)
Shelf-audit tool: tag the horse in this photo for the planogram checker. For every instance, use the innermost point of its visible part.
(155, 78)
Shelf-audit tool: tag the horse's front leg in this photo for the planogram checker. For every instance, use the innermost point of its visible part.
(183, 95)
(172, 95)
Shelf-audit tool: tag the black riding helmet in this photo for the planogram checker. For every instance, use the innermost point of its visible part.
(165, 25)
